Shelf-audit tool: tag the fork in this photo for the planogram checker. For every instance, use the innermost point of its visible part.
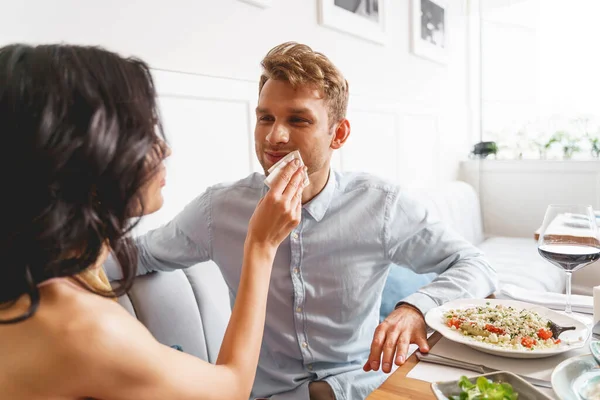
(557, 329)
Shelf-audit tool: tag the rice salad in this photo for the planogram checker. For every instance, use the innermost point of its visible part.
(503, 327)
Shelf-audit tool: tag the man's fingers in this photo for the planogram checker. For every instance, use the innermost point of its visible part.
(402, 349)
(377, 347)
(421, 341)
(389, 349)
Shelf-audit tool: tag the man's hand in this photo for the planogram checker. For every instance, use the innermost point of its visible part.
(403, 326)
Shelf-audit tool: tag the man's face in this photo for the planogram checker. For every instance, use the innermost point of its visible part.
(289, 119)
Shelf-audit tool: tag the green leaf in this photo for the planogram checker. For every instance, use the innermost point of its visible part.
(464, 383)
(482, 384)
(508, 389)
(485, 389)
(473, 394)
(495, 393)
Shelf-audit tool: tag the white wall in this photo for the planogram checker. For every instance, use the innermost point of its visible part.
(409, 115)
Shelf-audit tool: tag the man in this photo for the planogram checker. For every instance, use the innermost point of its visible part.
(327, 279)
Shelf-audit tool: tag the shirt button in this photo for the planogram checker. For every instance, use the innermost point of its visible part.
(299, 309)
(310, 367)
(304, 344)
(295, 236)
(295, 270)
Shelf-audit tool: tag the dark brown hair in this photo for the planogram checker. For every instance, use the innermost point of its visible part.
(78, 125)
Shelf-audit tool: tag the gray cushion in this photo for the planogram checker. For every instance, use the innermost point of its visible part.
(190, 309)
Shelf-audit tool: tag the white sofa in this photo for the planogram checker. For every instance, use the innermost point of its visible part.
(191, 308)
(516, 260)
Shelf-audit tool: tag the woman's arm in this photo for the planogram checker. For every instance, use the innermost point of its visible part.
(123, 361)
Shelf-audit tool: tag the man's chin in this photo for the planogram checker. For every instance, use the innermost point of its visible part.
(265, 167)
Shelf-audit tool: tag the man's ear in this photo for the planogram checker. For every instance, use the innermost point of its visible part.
(340, 134)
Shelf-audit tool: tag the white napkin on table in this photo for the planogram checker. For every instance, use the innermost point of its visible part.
(556, 301)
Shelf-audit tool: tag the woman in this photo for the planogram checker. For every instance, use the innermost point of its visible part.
(84, 154)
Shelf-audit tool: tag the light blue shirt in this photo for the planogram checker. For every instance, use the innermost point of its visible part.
(328, 275)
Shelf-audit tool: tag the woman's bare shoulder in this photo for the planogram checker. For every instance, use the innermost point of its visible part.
(67, 331)
(84, 322)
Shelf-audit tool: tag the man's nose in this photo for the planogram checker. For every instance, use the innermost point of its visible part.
(278, 134)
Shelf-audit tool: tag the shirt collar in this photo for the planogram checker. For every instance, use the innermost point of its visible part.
(318, 206)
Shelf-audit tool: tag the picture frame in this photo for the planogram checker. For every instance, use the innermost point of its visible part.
(365, 19)
(259, 3)
(429, 30)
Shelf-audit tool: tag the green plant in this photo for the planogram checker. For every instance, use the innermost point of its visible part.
(543, 144)
(594, 145)
(569, 143)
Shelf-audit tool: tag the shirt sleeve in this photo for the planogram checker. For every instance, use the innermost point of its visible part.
(181, 243)
(414, 239)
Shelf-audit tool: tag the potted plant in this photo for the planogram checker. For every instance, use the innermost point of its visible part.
(569, 143)
(543, 144)
(594, 145)
(484, 149)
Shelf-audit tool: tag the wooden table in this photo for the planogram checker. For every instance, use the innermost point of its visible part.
(399, 387)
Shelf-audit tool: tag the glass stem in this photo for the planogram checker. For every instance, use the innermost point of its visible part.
(568, 291)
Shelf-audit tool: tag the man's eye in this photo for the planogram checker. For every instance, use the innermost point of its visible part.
(299, 121)
(266, 118)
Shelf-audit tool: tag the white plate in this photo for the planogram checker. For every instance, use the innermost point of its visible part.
(569, 340)
(571, 374)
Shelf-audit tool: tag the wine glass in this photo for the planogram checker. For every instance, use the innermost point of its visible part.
(569, 240)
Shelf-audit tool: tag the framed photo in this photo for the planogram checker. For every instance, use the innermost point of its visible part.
(259, 3)
(429, 26)
(365, 19)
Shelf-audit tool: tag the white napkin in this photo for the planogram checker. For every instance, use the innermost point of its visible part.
(275, 170)
(555, 301)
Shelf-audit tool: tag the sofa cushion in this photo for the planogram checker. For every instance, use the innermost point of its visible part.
(457, 204)
(213, 301)
(188, 308)
(166, 305)
(518, 262)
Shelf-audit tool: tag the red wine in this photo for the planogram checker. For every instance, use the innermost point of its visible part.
(569, 256)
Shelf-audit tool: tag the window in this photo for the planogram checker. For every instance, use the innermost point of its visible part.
(540, 78)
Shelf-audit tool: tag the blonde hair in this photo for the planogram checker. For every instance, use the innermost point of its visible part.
(298, 64)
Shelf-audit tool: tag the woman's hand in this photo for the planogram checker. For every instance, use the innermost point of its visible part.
(280, 210)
